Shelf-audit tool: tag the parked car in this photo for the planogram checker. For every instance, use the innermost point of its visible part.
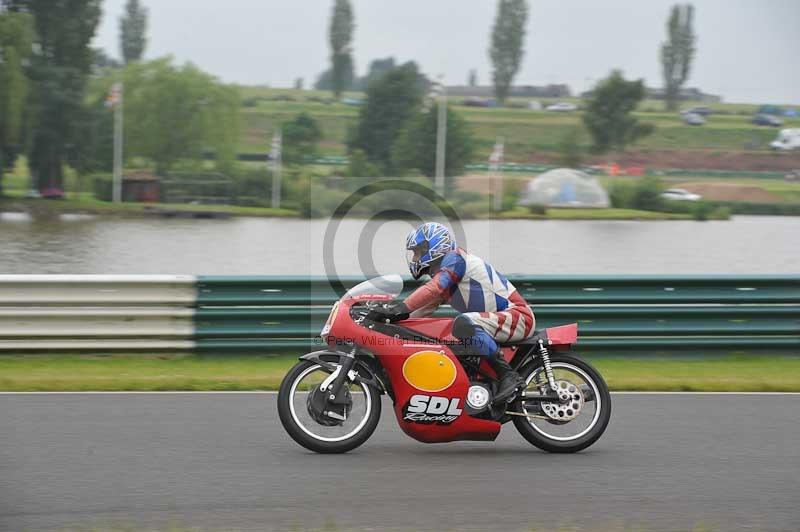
(762, 119)
(770, 110)
(788, 139)
(474, 101)
(679, 194)
(562, 107)
(693, 119)
(701, 110)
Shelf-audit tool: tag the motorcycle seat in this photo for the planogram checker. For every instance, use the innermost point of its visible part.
(537, 335)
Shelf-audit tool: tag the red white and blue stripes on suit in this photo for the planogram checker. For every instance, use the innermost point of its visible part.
(478, 291)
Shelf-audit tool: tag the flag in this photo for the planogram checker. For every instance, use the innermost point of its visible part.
(115, 96)
(496, 157)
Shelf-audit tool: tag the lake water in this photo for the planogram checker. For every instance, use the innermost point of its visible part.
(113, 245)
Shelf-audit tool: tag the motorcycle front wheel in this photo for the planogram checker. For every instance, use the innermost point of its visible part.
(336, 436)
(564, 426)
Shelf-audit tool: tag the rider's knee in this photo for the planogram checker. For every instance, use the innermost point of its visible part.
(463, 327)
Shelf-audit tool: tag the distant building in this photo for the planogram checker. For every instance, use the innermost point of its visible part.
(559, 90)
(691, 93)
(141, 186)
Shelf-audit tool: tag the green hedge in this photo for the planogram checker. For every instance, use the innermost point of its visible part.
(102, 185)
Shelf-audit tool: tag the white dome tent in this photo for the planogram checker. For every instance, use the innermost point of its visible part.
(565, 187)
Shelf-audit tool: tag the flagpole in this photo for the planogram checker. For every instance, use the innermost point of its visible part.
(441, 139)
(496, 160)
(118, 132)
(276, 169)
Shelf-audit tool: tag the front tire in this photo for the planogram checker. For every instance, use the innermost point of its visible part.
(542, 433)
(302, 432)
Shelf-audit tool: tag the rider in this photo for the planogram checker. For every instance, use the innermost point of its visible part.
(490, 307)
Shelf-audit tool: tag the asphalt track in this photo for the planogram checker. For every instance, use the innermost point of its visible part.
(223, 462)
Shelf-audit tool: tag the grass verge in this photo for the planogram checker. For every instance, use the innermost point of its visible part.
(93, 206)
(132, 372)
(521, 213)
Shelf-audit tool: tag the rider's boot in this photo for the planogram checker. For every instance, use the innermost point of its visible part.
(509, 379)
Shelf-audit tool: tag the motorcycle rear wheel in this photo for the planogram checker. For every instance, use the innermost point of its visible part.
(288, 411)
(544, 433)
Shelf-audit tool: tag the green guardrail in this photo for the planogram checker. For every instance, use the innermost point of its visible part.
(616, 314)
(643, 314)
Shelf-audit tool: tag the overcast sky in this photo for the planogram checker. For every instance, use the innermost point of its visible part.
(748, 50)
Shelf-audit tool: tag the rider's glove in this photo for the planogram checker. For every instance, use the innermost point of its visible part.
(389, 313)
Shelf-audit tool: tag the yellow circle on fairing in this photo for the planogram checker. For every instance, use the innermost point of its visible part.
(429, 371)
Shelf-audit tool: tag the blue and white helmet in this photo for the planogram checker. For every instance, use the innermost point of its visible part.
(425, 245)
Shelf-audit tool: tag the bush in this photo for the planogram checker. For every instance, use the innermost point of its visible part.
(701, 210)
(473, 209)
(643, 194)
(103, 187)
(300, 138)
(359, 166)
(721, 213)
(537, 209)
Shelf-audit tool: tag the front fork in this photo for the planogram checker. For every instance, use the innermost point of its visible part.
(333, 385)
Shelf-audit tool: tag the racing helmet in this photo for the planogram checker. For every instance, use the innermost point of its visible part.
(426, 245)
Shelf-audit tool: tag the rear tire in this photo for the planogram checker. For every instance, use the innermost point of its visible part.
(285, 398)
(530, 433)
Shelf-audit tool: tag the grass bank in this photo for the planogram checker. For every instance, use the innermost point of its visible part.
(87, 205)
(132, 372)
(521, 213)
(526, 131)
(95, 207)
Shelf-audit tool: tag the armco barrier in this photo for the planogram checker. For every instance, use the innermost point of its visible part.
(616, 314)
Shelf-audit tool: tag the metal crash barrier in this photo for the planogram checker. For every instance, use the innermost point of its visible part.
(631, 314)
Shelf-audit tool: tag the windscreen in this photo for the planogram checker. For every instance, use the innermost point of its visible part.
(390, 285)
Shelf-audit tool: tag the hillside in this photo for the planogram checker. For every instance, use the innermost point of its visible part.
(728, 141)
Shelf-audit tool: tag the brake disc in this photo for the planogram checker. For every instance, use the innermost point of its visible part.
(572, 402)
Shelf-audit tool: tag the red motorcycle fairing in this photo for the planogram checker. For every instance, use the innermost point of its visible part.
(429, 383)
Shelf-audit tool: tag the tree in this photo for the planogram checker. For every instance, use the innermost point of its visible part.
(16, 39)
(608, 113)
(133, 31)
(391, 101)
(359, 166)
(59, 70)
(472, 80)
(300, 138)
(506, 51)
(377, 69)
(677, 53)
(340, 35)
(102, 62)
(415, 148)
(324, 81)
(174, 113)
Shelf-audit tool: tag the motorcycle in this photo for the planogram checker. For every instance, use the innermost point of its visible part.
(330, 401)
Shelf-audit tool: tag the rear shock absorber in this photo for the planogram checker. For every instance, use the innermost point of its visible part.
(548, 369)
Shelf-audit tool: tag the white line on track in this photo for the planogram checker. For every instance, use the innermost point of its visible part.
(275, 393)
